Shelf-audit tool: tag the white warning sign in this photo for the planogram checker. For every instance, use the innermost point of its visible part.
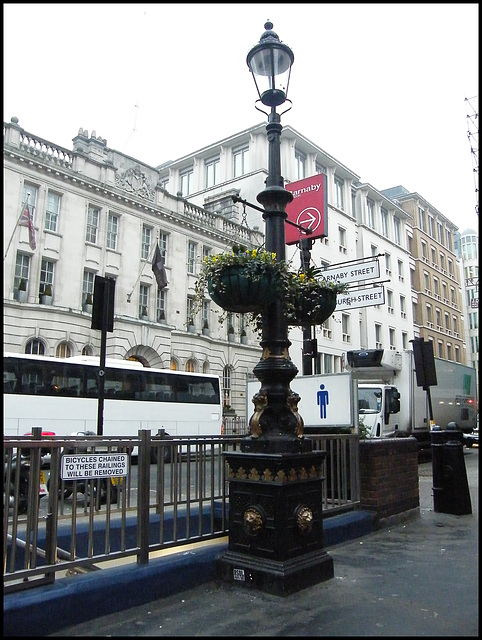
(95, 465)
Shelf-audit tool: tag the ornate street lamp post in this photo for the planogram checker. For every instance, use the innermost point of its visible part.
(275, 481)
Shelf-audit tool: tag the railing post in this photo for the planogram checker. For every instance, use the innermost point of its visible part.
(143, 484)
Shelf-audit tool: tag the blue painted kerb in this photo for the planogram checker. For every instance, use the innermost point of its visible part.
(43, 610)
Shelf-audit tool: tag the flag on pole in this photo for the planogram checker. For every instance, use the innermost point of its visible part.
(26, 220)
(159, 269)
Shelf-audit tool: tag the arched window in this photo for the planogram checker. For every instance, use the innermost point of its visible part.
(63, 350)
(206, 367)
(35, 347)
(173, 365)
(191, 366)
(87, 350)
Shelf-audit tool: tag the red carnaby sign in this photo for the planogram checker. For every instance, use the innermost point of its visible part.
(309, 208)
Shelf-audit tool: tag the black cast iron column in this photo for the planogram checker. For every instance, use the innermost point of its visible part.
(275, 425)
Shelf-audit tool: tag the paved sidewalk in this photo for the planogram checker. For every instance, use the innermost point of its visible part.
(416, 578)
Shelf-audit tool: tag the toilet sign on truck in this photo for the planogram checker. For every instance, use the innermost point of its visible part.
(327, 401)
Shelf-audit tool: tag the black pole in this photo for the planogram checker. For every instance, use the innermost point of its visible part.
(308, 355)
(278, 423)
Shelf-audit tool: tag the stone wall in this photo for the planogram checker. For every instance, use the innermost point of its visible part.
(389, 476)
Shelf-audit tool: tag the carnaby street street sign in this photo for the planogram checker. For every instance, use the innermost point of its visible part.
(353, 272)
(309, 208)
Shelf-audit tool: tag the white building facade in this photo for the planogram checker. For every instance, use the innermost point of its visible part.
(100, 212)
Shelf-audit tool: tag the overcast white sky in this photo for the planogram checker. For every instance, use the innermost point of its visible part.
(380, 87)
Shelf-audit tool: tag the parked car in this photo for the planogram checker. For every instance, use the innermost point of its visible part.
(471, 439)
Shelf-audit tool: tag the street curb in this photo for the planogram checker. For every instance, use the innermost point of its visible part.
(43, 610)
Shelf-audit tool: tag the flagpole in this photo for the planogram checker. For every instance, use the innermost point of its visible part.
(129, 295)
(22, 211)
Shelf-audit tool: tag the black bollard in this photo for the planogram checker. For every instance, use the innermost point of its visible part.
(450, 486)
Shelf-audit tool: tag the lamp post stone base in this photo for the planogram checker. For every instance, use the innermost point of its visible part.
(275, 522)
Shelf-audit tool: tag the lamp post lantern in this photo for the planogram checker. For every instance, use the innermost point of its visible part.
(275, 480)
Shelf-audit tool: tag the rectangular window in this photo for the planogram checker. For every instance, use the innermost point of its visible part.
(190, 311)
(345, 327)
(390, 301)
(403, 309)
(22, 270)
(442, 263)
(440, 233)
(342, 240)
(112, 231)
(378, 336)
(191, 257)
(449, 351)
(436, 288)
(424, 251)
(146, 242)
(205, 314)
(46, 275)
(429, 315)
(404, 340)
(384, 215)
(30, 191)
(52, 211)
(92, 224)
(320, 168)
(211, 168)
(240, 161)
(161, 312)
(433, 253)
(451, 266)
(87, 285)
(400, 270)
(453, 299)
(143, 301)
(391, 338)
(396, 231)
(431, 227)
(370, 213)
(185, 179)
(339, 197)
(438, 319)
(455, 327)
(440, 349)
(421, 219)
(300, 162)
(448, 239)
(388, 264)
(447, 322)
(164, 183)
(374, 250)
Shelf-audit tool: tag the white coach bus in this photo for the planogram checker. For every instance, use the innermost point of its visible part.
(61, 396)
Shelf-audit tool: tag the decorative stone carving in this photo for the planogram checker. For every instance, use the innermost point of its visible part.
(136, 182)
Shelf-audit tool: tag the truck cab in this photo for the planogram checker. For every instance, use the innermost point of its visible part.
(378, 406)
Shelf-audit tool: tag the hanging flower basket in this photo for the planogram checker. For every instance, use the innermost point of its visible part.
(316, 306)
(241, 280)
(242, 290)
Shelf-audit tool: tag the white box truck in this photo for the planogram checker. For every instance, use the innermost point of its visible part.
(383, 385)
